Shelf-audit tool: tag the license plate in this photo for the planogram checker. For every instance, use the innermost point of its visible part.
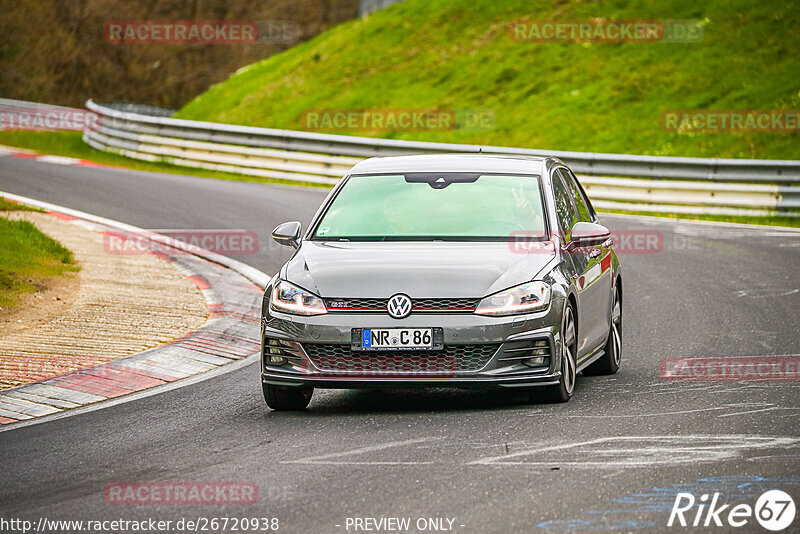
(397, 339)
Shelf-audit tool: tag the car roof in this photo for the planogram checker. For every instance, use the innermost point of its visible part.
(489, 163)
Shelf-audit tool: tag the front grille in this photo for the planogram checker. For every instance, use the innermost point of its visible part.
(356, 304)
(447, 304)
(339, 358)
(422, 304)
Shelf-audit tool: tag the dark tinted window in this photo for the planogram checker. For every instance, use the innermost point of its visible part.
(581, 202)
(565, 209)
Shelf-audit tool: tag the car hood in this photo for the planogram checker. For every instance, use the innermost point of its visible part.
(418, 269)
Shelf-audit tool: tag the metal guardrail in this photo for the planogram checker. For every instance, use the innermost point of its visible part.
(613, 181)
(9, 104)
(35, 115)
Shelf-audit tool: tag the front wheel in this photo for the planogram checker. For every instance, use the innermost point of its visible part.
(562, 391)
(608, 364)
(287, 398)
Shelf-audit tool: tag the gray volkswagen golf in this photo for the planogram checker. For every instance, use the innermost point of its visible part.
(457, 270)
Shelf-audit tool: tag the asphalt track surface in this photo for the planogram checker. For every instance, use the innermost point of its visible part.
(613, 457)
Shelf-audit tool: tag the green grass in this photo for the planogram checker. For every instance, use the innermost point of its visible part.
(9, 205)
(598, 97)
(27, 258)
(70, 144)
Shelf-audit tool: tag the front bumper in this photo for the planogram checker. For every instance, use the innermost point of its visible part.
(503, 367)
(344, 382)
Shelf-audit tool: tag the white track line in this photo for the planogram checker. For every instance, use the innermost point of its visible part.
(324, 459)
(156, 390)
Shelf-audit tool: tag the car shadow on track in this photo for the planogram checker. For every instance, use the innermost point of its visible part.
(400, 400)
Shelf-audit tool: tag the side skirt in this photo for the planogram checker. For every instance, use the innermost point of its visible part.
(590, 360)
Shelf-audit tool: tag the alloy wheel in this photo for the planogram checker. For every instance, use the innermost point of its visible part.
(568, 351)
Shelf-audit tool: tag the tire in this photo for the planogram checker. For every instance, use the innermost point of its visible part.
(287, 398)
(562, 391)
(608, 364)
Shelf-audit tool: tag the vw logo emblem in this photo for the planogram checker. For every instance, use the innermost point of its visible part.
(399, 306)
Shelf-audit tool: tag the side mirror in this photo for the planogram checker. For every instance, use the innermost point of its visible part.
(586, 234)
(288, 233)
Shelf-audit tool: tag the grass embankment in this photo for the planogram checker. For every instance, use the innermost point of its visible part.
(591, 97)
(28, 258)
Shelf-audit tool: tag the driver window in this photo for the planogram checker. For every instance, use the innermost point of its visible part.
(565, 209)
(577, 194)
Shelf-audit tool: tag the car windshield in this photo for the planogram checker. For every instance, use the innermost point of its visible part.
(427, 206)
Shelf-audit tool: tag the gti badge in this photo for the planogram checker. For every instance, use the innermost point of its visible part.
(399, 306)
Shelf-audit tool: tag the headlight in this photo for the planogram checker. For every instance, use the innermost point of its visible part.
(291, 299)
(521, 299)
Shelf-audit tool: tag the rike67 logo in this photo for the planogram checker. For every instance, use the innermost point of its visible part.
(774, 510)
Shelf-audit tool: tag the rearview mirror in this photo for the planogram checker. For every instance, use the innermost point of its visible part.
(288, 233)
(587, 234)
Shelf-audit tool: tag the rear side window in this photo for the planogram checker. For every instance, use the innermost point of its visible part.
(565, 209)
